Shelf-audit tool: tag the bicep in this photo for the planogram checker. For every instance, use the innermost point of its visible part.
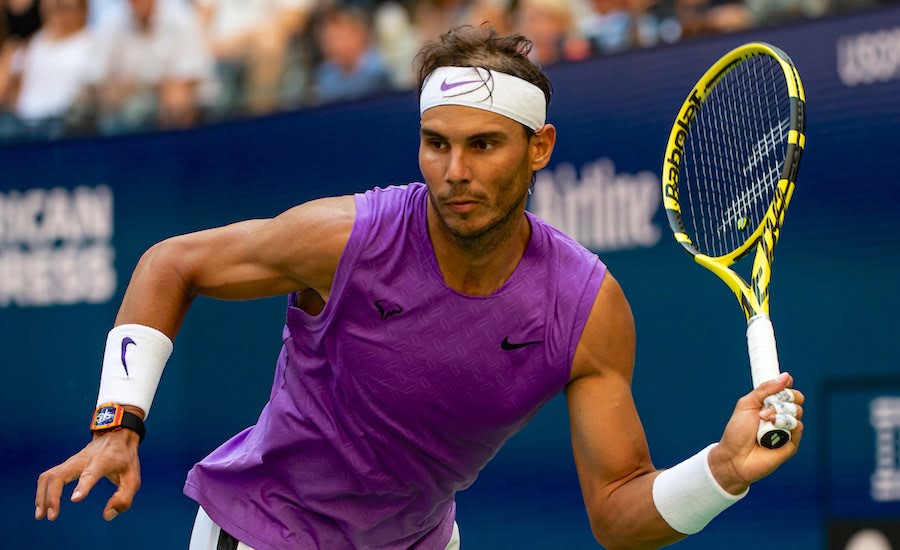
(296, 250)
(611, 452)
(608, 440)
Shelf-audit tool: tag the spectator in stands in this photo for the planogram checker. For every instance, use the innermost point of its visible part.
(22, 18)
(5, 57)
(250, 40)
(434, 17)
(431, 18)
(703, 17)
(774, 12)
(52, 68)
(153, 62)
(351, 67)
(618, 25)
(19, 20)
(395, 39)
(550, 24)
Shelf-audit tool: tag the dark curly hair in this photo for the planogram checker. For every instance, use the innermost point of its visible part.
(469, 46)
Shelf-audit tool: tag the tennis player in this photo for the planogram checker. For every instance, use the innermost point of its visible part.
(426, 324)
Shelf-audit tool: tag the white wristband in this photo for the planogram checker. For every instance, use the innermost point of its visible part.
(688, 496)
(132, 366)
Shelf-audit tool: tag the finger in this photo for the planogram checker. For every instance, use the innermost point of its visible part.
(89, 477)
(783, 396)
(785, 422)
(54, 487)
(785, 408)
(797, 434)
(792, 409)
(50, 486)
(795, 396)
(122, 499)
(40, 497)
(770, 387)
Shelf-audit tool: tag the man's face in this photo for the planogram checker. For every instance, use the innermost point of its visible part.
(343, 41)
(477, 165)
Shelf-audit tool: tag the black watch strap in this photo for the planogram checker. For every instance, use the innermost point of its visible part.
(134, 423)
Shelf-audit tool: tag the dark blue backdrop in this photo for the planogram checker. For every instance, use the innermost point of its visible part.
(834, 305)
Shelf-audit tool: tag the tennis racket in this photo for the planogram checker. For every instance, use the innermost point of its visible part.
(728, 176)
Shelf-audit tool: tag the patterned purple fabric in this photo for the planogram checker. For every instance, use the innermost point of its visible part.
(400, 391)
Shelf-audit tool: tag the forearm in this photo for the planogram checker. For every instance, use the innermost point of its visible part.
(662, 507)
(626, 518)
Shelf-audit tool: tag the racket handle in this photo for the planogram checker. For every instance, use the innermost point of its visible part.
(764, 367)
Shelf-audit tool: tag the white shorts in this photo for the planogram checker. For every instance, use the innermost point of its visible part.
(206, 535)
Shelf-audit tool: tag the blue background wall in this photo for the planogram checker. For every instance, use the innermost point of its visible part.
(835, 292)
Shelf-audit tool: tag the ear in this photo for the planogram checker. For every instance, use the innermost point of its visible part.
(541, 146)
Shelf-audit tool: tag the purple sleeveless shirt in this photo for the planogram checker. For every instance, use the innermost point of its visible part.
(400, 391)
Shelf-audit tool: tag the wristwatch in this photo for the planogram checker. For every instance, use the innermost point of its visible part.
(110, 417)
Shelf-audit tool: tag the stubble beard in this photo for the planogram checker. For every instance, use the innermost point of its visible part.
(484, 239)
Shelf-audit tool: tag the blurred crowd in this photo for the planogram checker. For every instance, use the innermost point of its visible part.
(77, 67)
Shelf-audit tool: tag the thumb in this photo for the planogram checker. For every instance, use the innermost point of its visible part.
(121, 500)
(772, 387)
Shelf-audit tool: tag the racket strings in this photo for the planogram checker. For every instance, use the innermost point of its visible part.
(734, 154)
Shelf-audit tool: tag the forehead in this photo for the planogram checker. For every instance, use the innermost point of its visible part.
(461, 120)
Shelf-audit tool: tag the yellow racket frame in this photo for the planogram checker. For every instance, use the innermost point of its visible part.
(753, 297)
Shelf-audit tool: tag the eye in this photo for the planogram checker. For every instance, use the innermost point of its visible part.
(435, 144)
(482, 145)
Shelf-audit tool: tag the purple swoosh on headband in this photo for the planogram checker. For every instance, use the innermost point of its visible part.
(125, 342)
(445, 86)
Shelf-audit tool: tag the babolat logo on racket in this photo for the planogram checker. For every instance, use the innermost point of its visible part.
(773, 221)
(676, 144)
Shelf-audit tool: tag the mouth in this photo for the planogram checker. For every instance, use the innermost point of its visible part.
(462, 206)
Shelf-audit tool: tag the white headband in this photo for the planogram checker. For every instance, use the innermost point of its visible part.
(493, 91)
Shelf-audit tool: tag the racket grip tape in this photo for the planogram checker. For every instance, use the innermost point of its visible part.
(764, 367)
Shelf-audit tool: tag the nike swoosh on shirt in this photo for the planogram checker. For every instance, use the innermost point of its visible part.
(125, 341)
(507, 345)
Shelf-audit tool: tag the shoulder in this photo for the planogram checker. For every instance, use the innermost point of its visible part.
(325, 215)
(312, 237)
(393, 198)
(568, 248)
(608, 340)
(384, 213)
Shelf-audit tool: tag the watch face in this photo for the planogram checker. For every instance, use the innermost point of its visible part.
(107, 416)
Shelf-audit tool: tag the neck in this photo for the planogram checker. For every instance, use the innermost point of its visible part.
(479, 266)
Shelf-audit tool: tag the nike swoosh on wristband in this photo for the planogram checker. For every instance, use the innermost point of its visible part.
(507, 345)
(445, 86)
(125, 341)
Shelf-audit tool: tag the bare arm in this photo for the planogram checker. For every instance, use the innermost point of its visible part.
(297, 250)
(611, 452)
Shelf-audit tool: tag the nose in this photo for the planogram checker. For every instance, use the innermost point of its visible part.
(458, 168)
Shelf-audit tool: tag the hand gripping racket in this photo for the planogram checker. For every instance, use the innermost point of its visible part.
(728, 175)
